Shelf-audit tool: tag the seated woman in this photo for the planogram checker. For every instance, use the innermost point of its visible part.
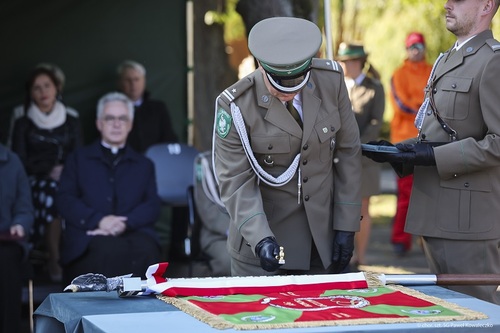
(108, 198)
(16, 220)
(42, 138)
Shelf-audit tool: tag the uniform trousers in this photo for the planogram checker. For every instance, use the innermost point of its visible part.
(219, 260)
(11, 279)
(399, 236)
(114, 256)
(239, 268)
(447, 256)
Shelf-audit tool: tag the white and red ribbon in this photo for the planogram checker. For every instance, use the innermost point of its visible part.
(158, 284)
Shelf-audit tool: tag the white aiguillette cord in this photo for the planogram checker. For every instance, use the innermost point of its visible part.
(208, 183)
(285, 177)
(419, 118)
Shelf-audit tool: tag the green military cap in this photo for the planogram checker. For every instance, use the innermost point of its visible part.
(285, 47)
(350, 51)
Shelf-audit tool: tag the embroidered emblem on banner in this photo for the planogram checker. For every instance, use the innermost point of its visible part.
(223, 121)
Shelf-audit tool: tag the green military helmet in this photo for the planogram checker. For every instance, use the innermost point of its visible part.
(285, 46)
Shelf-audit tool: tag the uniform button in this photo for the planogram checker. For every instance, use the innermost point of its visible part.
(108, 199)
(466, 184)
(453, 85)
(306, 198)
(304, 162)
(270, 147)
(434, 90)
(305, 179)
(332, 129)
(111, 180)
(306, 146)
(455, 175)
(82, 222)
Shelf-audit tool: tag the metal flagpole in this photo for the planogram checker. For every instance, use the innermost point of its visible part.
(190, 70)
(328, 30)
(440, 279)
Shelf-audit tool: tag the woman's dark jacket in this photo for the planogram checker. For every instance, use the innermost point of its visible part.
(41, 149)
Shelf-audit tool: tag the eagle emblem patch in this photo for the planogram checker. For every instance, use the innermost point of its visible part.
(223, 123)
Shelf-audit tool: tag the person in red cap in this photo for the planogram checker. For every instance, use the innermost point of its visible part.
(407, 93)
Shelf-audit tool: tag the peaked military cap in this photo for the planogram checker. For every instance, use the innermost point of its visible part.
(350, 51)
(285, 47)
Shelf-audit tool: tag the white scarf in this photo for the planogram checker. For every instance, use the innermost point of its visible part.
(53, 119)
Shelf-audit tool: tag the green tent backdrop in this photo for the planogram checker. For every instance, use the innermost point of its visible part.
(87, 40)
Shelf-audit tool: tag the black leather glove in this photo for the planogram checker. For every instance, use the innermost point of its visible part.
(378, 156)
(268, 250)
(411, 154)
(417, 154)
(343, 247)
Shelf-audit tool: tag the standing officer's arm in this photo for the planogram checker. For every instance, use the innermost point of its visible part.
(482, 153)
(237, 181)
(347, 184)
(347, 169)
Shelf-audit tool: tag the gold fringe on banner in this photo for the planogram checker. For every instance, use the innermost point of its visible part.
(373, 282)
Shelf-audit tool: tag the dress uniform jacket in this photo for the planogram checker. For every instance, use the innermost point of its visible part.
(330, 165)
(461, 193)
(368, 104)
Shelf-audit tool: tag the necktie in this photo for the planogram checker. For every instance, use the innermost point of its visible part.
(293, 111)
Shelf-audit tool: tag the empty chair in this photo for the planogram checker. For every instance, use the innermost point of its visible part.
(174, 175)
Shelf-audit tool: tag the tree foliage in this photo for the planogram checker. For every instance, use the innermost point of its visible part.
(381, 25)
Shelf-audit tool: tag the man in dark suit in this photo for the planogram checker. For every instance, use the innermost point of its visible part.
(108, 198)
(152, 123)
(455, 158)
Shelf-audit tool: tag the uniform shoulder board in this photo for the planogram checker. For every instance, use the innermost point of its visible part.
(493, 44)
(326, 64)
(234, 91)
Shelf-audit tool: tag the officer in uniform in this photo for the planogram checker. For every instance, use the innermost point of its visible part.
(455, 158)
(287, 157)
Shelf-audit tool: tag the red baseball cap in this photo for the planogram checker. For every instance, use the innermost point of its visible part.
(415, 38)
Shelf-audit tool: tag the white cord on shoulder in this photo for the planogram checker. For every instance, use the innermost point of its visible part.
(208, 183)
(281, 180)
(213, 140)
(419, 118)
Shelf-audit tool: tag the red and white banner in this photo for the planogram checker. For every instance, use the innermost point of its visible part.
(248, 285)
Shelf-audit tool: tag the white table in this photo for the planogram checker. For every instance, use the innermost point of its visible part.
(99, 312)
